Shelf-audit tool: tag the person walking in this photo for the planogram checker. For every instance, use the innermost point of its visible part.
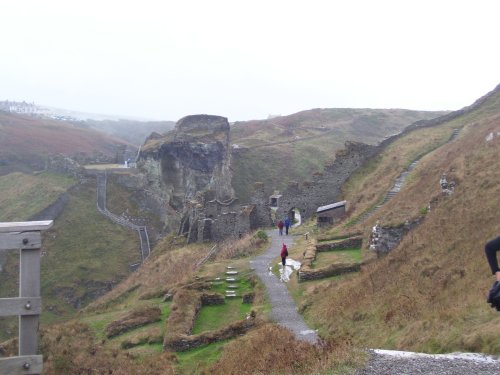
(284, 254)
(288, 223)
(491, 249)
(280, 227)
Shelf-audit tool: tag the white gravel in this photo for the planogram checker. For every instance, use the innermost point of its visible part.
(392, 362)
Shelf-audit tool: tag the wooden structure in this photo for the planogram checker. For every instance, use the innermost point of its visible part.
(26, 237)
(329, 214)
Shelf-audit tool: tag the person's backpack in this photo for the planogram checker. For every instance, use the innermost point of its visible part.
(494, 296)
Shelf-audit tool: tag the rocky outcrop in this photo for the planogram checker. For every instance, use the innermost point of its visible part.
(194, 157)
(385, 238)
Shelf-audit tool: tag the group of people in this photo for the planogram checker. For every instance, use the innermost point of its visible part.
(287, 223)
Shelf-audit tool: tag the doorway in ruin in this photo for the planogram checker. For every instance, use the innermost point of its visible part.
(295, 216)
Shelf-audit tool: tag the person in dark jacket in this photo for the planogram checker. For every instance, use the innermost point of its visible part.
(288, 223)
(491, 249)
(280, 227)
(284, 254)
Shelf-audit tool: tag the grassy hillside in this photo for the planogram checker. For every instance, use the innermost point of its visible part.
(23, 195)
(26, 141)
(132, 131)
(290, 148)
(428, 294)
(85, 254)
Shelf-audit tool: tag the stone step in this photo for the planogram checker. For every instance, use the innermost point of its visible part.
(231, 279)
(231, 295)
(230, 268)
(231, 272)
(232, 286)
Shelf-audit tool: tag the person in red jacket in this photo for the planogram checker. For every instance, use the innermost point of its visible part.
(284, 254)
(280, 227)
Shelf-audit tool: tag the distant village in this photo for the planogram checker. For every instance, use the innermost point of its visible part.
(31, 109)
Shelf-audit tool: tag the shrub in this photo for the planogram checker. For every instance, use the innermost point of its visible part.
(261, 235)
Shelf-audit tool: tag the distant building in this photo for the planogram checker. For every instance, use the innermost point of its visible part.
(23, 108)
(329, 214)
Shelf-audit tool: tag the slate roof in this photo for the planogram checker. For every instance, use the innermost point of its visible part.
(331, 206)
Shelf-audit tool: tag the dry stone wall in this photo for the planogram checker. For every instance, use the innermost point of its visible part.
(325, 187)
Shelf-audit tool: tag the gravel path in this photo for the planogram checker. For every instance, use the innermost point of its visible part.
(284, 312)
(391, 362)
(386, 362)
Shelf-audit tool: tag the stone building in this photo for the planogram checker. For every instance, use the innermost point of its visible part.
(329, 214)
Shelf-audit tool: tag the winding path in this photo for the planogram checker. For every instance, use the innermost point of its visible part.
(101, 206)
(283, 311)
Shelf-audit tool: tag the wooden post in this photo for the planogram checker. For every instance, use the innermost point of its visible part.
(26, 237)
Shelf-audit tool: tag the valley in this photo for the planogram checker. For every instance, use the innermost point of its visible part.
(424, 294)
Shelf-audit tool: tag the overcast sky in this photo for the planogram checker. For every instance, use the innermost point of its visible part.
(247, 59)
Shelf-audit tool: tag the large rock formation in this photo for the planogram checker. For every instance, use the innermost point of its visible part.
(192, 158)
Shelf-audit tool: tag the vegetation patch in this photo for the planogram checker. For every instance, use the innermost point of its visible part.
(75, 270)
(339, 256)
(197, 360)
(214, 317)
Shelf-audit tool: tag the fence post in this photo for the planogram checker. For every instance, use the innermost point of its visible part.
(26, 237)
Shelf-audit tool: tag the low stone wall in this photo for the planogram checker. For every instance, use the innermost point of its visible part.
(308, 273)
(248, 298)
(133, 320)
(309, 256)
(210, 299)
(181, 342)
(350, 243)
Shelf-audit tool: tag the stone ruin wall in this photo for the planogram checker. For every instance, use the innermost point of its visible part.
(325, 187)
(217, 221)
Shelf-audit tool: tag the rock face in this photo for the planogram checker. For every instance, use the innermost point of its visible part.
(194, 157)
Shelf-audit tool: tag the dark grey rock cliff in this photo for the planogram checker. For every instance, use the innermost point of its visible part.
(192, 158)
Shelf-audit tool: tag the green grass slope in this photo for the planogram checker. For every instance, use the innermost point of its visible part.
(23, 195)
(84, 254)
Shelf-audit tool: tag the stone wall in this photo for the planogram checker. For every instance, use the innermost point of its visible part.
(325, 187)
(385, 238)
(181, 342)
(214, 220)
(307, 273)
(349, 243)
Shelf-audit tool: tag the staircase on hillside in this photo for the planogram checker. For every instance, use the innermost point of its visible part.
(398, 184)
(141, 230)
